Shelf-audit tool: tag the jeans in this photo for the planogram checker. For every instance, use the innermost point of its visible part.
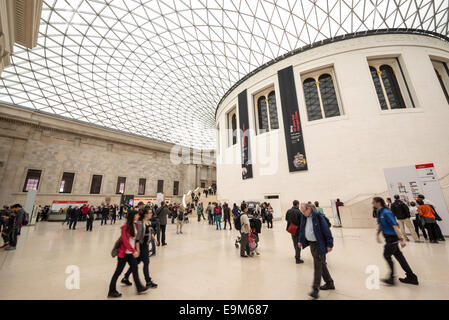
(319, 267)
(270, 223)
(89, 224)
(145, 258)
(210, 218)
(218, 222)
(392, 249)
(406, 222)
(418, 225)
(161, 230)
(121, 262)
(432, 230)
(199, 217)
(244, 244)
(104, 219)
(295, 240)
(13, 237)
(153, 246)
(73, 223)
(113, 218)
(227, 220)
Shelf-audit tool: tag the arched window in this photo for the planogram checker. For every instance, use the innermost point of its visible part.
(391, 87)
(234, 128)
(312, 99)
(274, 122)
(378, 86)
(328, 96)
(262, 114)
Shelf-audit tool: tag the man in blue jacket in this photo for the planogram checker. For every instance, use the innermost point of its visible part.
(314, 232)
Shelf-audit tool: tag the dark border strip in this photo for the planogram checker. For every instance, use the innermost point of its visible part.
(406, 84)
(328, 41)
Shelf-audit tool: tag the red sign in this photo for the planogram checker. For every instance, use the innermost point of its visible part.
(80, 202)
(424, 166)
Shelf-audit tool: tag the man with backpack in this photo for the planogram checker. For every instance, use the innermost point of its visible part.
(293, 218)
(402, 214)
(242, 224)
(15, 221)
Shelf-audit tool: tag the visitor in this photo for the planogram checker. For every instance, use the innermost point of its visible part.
(269, 216)
(74, 216)
(113, 210)
(339, 204)
(318, 208)
(388, 205)
(392, 234)
(196, 201)
(217, 216)
(199, 211)
(227, 216)
(104, 214)
(315, 232)
(121, 212)
(245, 231)
(210, 215)
(162, 213)
(427, 214)
(16, 215)
(440, 236)
(144, 235)
(402, 214)
(66, 212)
(293, 218)
(127, 253)
(156, 224)
(90, 217)
(180, 219)
(416, 219)
(84, 210)
(4, 226)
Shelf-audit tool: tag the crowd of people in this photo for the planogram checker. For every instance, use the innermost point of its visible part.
(145, 229)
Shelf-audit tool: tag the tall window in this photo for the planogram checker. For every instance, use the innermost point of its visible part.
(120, 185)
(175, 188)
(66, 182)
(95, 186)
(160, 186)
(320, 95)
(266, 111)
(391, 89)
(442, 73)
(32, 180)
(232, 127)
(142, 186)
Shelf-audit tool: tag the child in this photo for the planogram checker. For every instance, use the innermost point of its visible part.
(253, 242)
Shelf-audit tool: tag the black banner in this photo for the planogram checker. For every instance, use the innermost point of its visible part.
(247, 166)
(294, 138)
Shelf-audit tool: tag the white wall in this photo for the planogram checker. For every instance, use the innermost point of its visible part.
(346, 155)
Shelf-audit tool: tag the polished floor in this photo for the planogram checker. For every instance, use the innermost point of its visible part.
(204, 264)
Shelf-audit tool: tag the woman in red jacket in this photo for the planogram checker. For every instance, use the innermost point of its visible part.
(128, 252)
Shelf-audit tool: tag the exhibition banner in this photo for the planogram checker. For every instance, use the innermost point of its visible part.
(247, 166)
(294, 138)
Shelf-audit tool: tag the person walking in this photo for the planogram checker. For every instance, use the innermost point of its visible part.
(416, 219)
(402, 214)
(245, 231)
(74, 216)
(144, 235)
(269, 216)
(314, 232)
(127, 253)
(210, 215)
(199, 211)
(427, 214)
(227, 216)
(113, 210)
(180, 219)
(440, 236)
(293, 218)
(104, 214)
(66, 211)
(217, 216)
(13, 225)
(389, 227)
(162, 213)
(90, 217)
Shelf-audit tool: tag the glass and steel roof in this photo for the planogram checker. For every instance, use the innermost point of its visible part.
(158, 68)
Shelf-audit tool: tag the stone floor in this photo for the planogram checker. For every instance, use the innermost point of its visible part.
(204, 264)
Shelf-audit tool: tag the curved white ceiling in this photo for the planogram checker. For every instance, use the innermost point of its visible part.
(158, 68)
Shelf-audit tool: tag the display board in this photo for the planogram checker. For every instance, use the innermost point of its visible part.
(57, 204)
(247, 166)
(294, 138)
(409, 182)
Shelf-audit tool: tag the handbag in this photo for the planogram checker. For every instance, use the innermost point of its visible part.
(114, 252)
(292, 229)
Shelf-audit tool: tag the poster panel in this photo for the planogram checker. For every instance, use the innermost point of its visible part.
(247, 166)
(294, 138)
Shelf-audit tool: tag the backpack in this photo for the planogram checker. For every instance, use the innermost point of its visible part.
(237, 223)
(217, 210)
(181, 216)
(25, 219)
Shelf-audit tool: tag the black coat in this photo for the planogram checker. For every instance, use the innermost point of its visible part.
(400, 210)
(293, 215)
